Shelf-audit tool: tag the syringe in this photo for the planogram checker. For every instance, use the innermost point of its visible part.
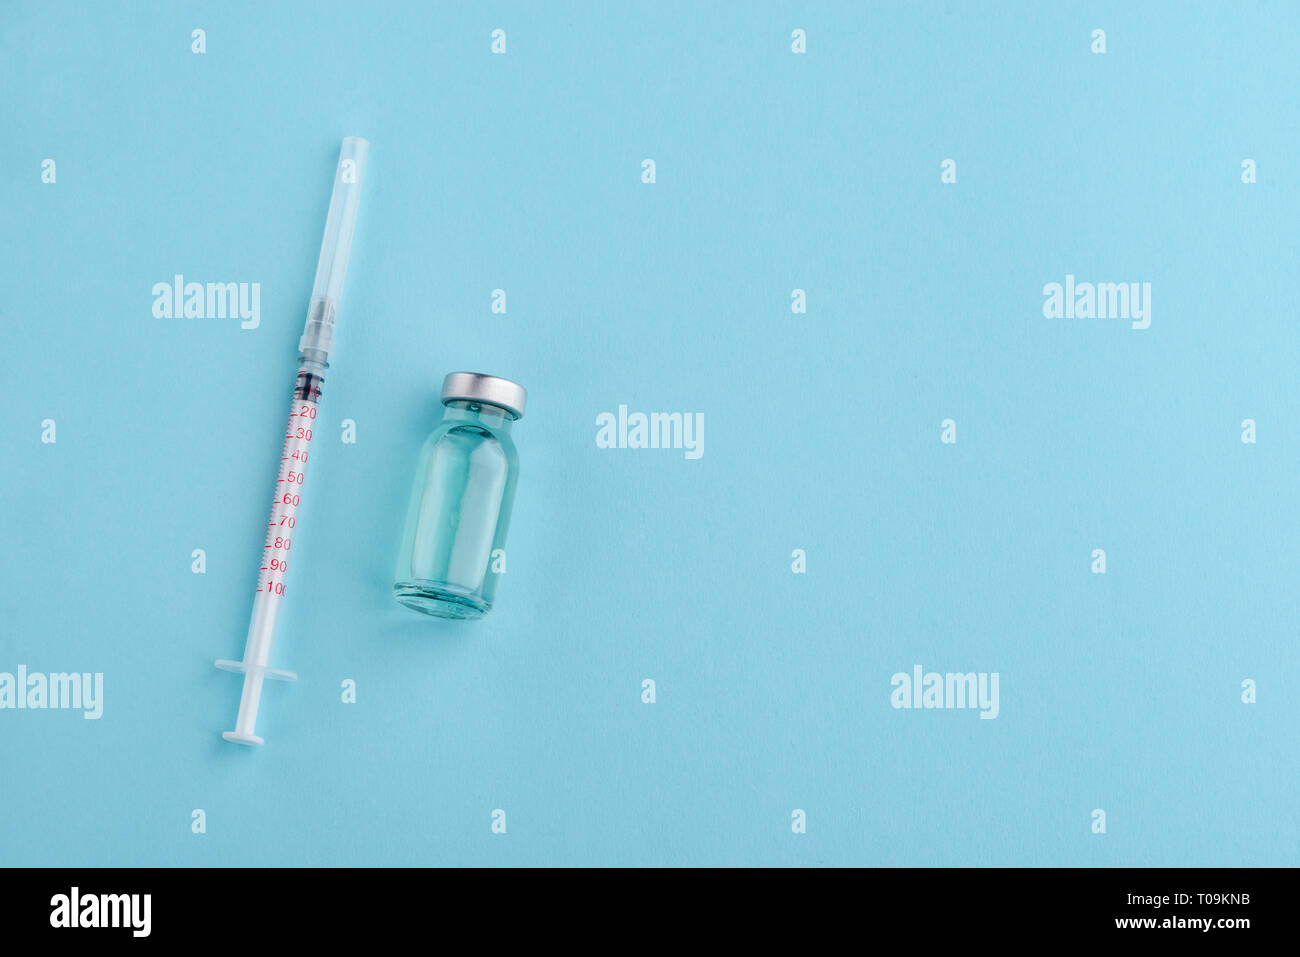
(314, 348)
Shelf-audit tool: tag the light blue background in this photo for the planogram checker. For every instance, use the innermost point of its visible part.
(775, 172)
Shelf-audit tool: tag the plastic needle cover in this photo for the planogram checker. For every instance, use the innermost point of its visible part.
(332, 267)
(315, 346)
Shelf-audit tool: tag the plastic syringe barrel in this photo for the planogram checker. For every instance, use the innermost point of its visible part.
(315, 345)
(322, 313)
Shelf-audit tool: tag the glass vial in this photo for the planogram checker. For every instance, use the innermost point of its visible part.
(453, 547)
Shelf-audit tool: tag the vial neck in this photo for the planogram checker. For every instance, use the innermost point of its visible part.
(491, 416)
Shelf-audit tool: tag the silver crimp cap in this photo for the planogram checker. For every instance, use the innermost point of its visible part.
(488, 389)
